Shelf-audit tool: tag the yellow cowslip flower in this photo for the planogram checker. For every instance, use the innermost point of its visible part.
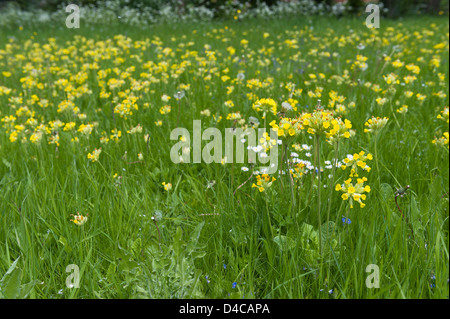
(339, 129)
(229, 103)
(420, 97)
(85, 129)
(165, 109)
(263, 182)
(318, 122)
(104, 140)
(413, 68)
(287, 127)
(167, 186)
(13, 136)
(442, 141)
(403, 109)
(234, 116)
(205, 112)
(398, 64)
(354, 192)
(391, 78)
(54, 139)
(357, 160)
(409, 93)
(265, 106)
(298, 171)
(381, 100)
(136, 129)
(375, 124)
(116, 134)
(36, 137)
(444, 115)
(165, 98)
(79, 219)
(94, 155)
(69, 126)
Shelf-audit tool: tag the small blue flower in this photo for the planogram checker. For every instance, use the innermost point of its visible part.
(330, 291)
(234, 285)
(346, 220)
(432, 285)
(207, 280)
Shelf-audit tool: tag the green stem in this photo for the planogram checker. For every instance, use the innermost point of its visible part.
(376, 162)
(318, 192)
(336, 150)
(268, 217)
(178, 113)
(291, 184)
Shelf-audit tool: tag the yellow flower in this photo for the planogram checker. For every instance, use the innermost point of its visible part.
(79, 219)
(94, 155)
(265, 106)
(263, 182)
(167, 186)
(354, 192)
(442, 141)
(375, 124)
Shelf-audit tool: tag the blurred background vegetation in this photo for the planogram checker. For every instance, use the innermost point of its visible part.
(396, 8)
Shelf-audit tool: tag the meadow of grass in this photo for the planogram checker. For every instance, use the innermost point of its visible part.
(206, 232)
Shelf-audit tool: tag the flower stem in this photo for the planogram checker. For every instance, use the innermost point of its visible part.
(376, 162)
(318, 192)
(336, 151)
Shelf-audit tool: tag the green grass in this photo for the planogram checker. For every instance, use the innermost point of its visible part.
(122, 253)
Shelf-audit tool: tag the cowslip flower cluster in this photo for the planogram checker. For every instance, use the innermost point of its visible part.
(94, 155)
(79, 219)
(354, 192)
(324, 123)
(265, 106)
(357, 160)
(298, 170)
(263, 182)
(318, 122)
(375, 124)
(339, 129)
(287, 127)
(444, 115)
(442, 141)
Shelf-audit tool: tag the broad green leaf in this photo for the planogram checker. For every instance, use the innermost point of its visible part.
(7, 164)
(11, 269)
(284, 242)
(177, 241)
(195, 236)
(11, 286)
(26, 289)
(387, 193)
(136, 247)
